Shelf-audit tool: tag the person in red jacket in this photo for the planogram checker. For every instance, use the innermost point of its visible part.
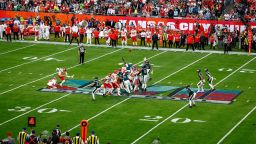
(190, 42)
(57, 31)
(177, 40)
(197, 41)
(170, 39)
(15, 30)
(212, 42)
(8, 33)
(81, 32)
(67, 31)
(96, 36)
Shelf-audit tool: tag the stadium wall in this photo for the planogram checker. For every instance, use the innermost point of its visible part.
(174, 24)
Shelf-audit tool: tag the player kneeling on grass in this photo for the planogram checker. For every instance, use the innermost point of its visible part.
(52, 83)
(62, 74)
(201, 82)
(210, 78)
(191, 96)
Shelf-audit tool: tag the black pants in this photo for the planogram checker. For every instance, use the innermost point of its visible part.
(190, 45)
(142, 40)
(67, 36)
(81, 57)
(155, 43)
(57, 35)
(170, 43)
(81, 37)
(225, 48)
(8, 36)
(197, 46)
(113, 43)
(16, 34)
(76, 40)
(177, 44)
(202, 45)
(164, 43)
(96, 41)
(211, 46)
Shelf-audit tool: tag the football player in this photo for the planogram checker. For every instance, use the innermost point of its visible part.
(52, 83)
(210, 78)
(62, 74)
(96, 85)
(201, 82)
(191, 96)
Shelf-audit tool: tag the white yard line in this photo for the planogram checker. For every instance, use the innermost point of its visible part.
(116, 103)
(54, 99)
(233, 128)
(16, 49)
(68, 49)
(187, 105)
(130, 98)
(55, 73)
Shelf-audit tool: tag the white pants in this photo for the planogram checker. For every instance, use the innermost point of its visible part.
(1, 34)
(89, 40)
(191, 99)
(127, 86)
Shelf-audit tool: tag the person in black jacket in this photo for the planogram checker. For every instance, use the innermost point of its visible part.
(202, 41)
(155, 41)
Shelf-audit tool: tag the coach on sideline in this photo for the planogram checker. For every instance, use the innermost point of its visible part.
(81, 51)
(155, 41)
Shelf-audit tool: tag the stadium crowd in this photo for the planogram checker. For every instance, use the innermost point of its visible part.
(110, 32)
(46, 137)
(199, 9)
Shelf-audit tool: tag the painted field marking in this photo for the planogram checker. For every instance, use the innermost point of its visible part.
(187, 105)
(54, 99)
(16, 49)
(55, 73)
(36, 59)
(100, 113)
(233, 128)
(130, 98)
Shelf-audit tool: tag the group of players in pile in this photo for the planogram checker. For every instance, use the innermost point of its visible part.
(129, 78)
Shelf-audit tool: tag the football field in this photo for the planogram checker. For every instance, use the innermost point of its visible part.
(25, 68)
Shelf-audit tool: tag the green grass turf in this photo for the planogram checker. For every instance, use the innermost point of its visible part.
(121, 124)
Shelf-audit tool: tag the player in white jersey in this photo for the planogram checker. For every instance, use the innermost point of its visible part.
(134, 36)
(201, 82)
(62, 74)
(148, 38)
(47, 32)
(89, 36)
(22, 28)
(210, 78)
(41, 31)
(36, 30)
(106, 35)
(1, 30)
(124, 37)
(52, 83)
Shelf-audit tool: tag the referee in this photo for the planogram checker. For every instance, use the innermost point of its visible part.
(93, 139)
(81, 51)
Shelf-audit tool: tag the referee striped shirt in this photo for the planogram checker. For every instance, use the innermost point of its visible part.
(22, 137)
(93, 139)
(77, 140)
